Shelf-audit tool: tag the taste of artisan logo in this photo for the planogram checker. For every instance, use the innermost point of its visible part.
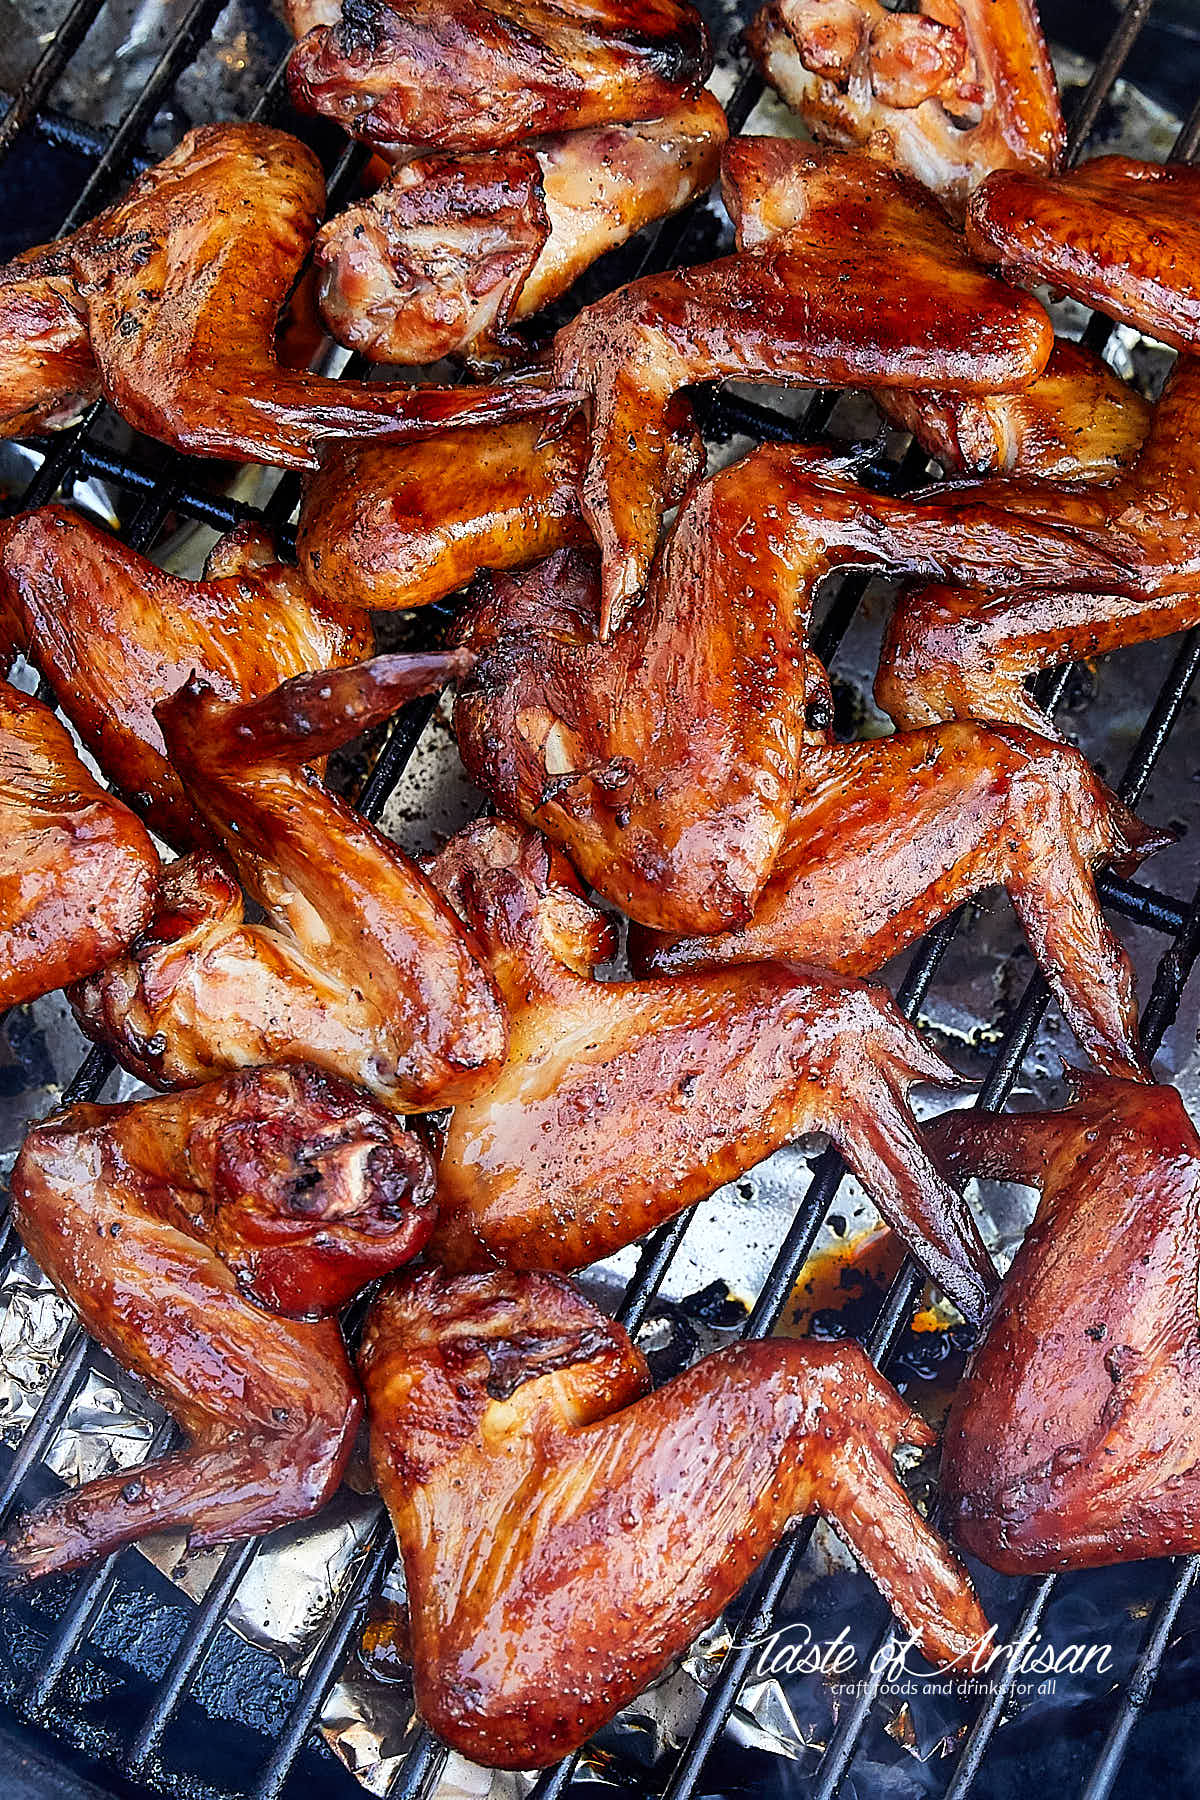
(1029, 1663)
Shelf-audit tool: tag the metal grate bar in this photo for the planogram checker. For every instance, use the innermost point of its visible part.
(50, 65)
(1141, 1686)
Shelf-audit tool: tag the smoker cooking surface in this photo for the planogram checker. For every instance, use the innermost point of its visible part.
(113, 1676)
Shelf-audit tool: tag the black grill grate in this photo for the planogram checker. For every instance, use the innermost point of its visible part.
(156, 487)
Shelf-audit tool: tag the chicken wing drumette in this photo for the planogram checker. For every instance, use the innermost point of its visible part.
(676, 766)
(620, 1103)
(948, 91)
(182, 1229)
(1134, 543)
(115, 635)
(566, 1533)
(180, 287)
(443, 258)
(482, 74)
(359, 966)
(47, 371)
(847, 274)
(78, 874)
(1074, 1438)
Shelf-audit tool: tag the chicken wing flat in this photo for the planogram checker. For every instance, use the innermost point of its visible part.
(114, 635)
(1078, 422)
(181, 1229)
(181, 285)
(623, 1102)
(360, 966)
(463, 75)
(47, 371)
(1116, 234)
(965, 651)
(848, 274)
(674, 765)
(1072, 1441)
(566, 1533)
(443, 258)
(947, 92)
(78, 874)
(397, 525)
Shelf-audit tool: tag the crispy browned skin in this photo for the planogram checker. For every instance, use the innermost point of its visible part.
(566, 1533)
(464, 75)
(964, 652)
(115, 635)
(182, 284)
(947, 92)
(360, 966)
(180, 1229)
(47, 370)
(399, 525)
(674, 765)
(442, 259)
(1115, 233)
(847, 274)
(1072, 1441)
(621, 1103)
(78, 874)
(1078, 422)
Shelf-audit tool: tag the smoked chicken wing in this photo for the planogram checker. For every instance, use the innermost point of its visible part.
(947, 92)
(964, 652)
(47, 371)
(482, 74)
(78, 874)
(114, 635)
(442, 259)
(566, 1533)
(181, 285)
(621, 1103)
(359, 966)
(399, 525)
(674, 766)
(847, 273)
(1074, 1438)
(1116, 234)
(181, 1229)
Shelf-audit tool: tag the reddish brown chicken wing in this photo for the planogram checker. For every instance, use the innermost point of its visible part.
(442, 259)
(1074, 1439)
(47, 370)
(948, 91)
(846, 274)
(566, 1533)
(469, 75)
(115, 635)
(359, 965)
(180, 1229)
(621, 1103)
(78, 874)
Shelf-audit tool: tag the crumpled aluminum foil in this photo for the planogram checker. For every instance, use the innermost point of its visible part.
(290, 1591)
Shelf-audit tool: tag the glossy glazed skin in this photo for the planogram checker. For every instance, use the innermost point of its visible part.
(447, 254)
(464, 75)
(566, 1533)
(181, 1229)
(679, 765)
(1078, 422)
(182, 284)
(78, 874)
(47, 371)
(947, 92)
(1114, 233)
(1071, 1441)
(965, 651)
(378, 530)
(847, 274)
(360, 966)
(114, 635)
(621, 1103)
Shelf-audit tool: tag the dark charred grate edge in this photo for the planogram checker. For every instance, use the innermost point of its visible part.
(174, 485)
